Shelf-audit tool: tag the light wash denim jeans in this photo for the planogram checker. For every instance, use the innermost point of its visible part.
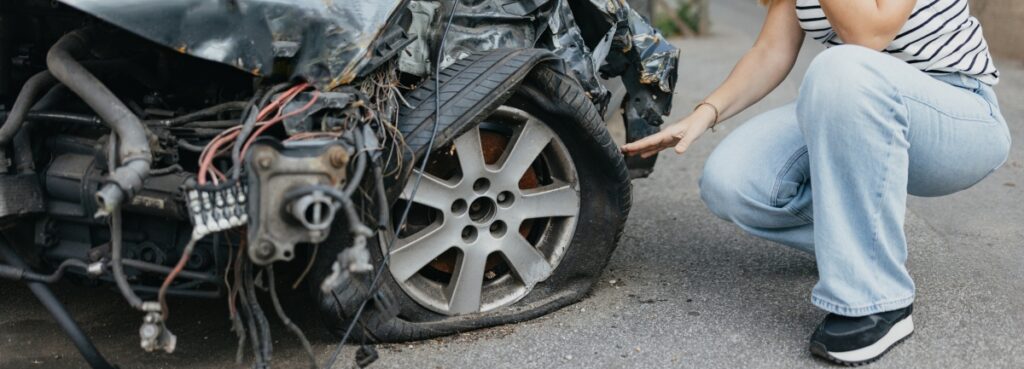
(830, 173)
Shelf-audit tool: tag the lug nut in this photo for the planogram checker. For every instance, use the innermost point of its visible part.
(505, 198)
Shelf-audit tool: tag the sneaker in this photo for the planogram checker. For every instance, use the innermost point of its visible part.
(855, 341)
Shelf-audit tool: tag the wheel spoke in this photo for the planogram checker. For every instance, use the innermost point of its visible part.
(467, 282)
(527, 144)
(556, 200)
(527, 262)
(412, 253)
(470, 152)
(433, 192)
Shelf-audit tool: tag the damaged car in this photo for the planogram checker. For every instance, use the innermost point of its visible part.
(413, 168)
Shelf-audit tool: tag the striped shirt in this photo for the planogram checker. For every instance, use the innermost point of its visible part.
(940, 37)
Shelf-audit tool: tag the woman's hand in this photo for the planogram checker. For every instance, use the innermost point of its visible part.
(679, 135)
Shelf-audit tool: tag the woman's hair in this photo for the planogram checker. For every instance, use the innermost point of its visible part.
(765, 2)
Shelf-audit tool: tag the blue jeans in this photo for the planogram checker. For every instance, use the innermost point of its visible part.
(830, 173)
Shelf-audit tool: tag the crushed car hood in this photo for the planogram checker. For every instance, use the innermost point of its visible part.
(328, 41)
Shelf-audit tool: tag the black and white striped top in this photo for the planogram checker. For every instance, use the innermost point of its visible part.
(941, 36)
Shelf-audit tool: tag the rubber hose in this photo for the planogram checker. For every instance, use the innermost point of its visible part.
(134, 149)
(30, 92)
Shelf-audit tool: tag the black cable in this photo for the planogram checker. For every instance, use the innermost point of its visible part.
(19, 274)
(205, 112)
(360, 157)
(116, 243)
(56, 309)
(188, 146)
(63, 117)
(181, 292)
(246, 314)
(166, 170)
(382, 196)
(412, 194)
(265, 346)
(250, 124)
(221, 124)
(284, 317)
(236, 150)
(165, 270)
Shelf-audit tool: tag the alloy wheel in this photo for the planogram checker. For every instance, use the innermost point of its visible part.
(492, 216)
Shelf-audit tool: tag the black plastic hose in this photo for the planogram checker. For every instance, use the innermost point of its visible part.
(21, 274)
(30, 92)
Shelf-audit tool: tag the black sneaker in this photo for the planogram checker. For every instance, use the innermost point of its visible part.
(855, 341)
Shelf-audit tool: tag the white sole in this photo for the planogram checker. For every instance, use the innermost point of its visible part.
(898, 332)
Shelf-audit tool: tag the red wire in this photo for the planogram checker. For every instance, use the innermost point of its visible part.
(211, 150)
(277, 119)
(161, 296)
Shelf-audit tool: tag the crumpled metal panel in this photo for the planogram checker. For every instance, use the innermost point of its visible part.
(657, 57)
(327, 41)
(568, 44)
(635, 49)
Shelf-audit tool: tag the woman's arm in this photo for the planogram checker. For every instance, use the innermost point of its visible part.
(759, 72)
(869, 23)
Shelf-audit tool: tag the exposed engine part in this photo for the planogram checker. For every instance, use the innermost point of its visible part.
(314, 210)
(20, 196)
(153, 334)
(134, 149)
(337, 111)
(352, 260)
(72, 178)
(217, 210)
(274, 170)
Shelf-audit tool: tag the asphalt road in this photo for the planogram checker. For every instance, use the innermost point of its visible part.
(684, 289)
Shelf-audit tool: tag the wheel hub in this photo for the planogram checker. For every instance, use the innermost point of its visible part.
(482, 209)
(461, 258)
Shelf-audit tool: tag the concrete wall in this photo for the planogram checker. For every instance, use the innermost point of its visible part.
(1003, 21)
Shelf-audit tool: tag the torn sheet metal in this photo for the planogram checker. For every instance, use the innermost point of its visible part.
(326, 41)
(477, 25)
(619, 42)
(657, 57)
(567, 42)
